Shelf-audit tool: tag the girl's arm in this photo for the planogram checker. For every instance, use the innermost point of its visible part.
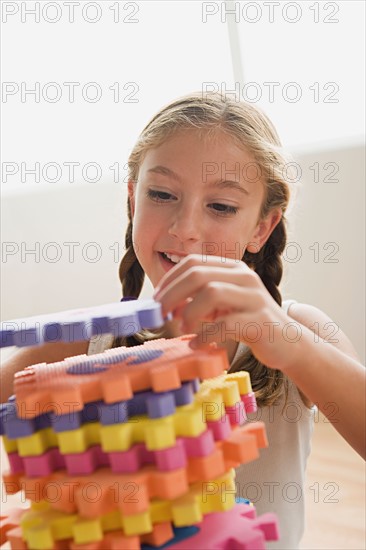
(47, 353)
(328, 371)
(226, 300)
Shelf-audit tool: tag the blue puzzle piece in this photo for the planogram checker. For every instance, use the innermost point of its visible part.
(13, 427)
(155, 405)
(180, 534)
(119, 319)
(240, 500)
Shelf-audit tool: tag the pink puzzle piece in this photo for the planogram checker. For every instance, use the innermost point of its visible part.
(128, 461)
(250, 403)
(237, 528)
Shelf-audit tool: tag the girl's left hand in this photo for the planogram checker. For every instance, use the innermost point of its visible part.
(233, 301)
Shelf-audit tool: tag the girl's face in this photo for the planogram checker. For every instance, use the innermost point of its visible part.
(196, 195)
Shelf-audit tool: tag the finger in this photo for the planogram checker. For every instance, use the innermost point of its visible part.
(189, 284)
(220, 331)
(178, 311)
(190, 261)
(228, 327)
(218, 300)
(196, 343)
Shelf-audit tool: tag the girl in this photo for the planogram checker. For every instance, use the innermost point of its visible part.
(206, 204)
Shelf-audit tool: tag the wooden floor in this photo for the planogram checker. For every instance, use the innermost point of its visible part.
(335, 493)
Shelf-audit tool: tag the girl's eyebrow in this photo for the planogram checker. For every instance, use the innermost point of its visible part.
(165, 172)
(222, 184)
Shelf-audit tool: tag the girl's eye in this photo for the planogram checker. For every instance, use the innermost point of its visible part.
(218, 208)
(223, 209)
(159, 196)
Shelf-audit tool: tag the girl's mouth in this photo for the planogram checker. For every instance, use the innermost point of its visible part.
(166, 262)
(163, 255)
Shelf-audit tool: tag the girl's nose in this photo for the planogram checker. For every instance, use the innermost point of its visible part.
(186, 225)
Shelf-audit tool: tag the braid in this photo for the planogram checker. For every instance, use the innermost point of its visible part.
(131, 273)
(267, 383)
(132, 278)
(268, 263)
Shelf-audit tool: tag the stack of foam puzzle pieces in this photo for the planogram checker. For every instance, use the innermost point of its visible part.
(130, 448)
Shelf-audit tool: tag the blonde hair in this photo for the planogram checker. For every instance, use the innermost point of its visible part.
(249, 127)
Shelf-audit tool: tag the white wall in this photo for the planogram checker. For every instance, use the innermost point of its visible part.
(94, 217)
(158, 51)
(330, 274)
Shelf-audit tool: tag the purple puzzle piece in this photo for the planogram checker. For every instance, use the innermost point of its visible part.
(119, 319)
(155, 405)
(13, 426)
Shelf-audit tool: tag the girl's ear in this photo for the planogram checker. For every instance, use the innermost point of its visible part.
(131, 196)
(263, 231)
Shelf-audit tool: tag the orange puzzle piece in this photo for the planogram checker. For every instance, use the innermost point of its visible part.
(160, 365)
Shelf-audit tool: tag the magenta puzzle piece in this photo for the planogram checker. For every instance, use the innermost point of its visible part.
(237, 529)
(85, 463)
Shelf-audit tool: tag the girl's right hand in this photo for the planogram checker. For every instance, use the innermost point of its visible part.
(221, 299)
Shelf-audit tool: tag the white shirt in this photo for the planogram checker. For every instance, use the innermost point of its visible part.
(275, 481)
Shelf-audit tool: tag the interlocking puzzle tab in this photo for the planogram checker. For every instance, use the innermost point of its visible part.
(119, 319)
(160, 420)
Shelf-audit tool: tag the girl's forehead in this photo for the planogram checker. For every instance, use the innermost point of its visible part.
(214, 158)
(205, 144)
